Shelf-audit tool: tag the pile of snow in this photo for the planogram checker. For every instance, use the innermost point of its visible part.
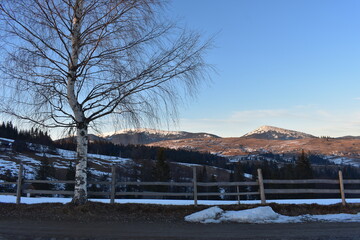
(259, 214)
(204, 215)
(264, 215)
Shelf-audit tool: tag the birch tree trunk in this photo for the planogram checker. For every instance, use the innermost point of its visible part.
(80, 193)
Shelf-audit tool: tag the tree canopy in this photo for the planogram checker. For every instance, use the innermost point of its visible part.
(72, 63)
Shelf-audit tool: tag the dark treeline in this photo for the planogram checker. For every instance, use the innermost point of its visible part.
(34, 135)
(272, 170)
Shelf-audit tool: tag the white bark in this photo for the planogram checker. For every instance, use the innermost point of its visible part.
(80, 193)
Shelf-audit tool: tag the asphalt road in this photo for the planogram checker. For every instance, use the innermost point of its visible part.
(113, 230)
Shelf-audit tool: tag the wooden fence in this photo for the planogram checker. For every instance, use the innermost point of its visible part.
(256, 188)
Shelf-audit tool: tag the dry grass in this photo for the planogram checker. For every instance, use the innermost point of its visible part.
(143, 213)
(241, 146)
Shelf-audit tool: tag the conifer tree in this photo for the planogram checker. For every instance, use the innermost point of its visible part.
(303, 167)
(46, 171)
(70, 175)
(161, 170)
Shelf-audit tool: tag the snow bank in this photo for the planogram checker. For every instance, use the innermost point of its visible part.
(342, 217)
(264, 215)
(259, 214)
(210, 213)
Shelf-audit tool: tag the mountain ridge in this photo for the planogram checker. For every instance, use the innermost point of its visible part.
(147, 136)
(276, 133)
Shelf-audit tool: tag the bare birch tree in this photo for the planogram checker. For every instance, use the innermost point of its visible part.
(71, 63)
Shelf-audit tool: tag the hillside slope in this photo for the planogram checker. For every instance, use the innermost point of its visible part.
(244, 146)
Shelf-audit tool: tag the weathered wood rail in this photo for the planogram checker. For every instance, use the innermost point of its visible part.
(254, 187)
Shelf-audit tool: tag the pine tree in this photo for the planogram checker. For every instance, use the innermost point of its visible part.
(46, 171)
(303, 167)
(161, 171)
(238, 172)
(202, 177)
(70, 175)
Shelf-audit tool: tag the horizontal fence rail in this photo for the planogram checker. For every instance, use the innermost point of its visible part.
(260, 188)
(305, 181)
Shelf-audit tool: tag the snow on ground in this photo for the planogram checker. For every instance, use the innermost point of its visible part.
(188, 164)
(249, 176)
(8, 165)
(31, 200)
(7, 140)
(343, 160)
(61, 160)
(67, 154)
(264, 215)
(108, 158)
(27, 160)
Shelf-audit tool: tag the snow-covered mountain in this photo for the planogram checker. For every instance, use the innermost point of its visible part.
(275, 133)
(146, 136)
(142, 136)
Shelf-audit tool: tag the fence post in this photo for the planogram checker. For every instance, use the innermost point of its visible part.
(19, 184)
(238, 193)
(113, 183)
(342, 192)
(261, 187)
(195, 186)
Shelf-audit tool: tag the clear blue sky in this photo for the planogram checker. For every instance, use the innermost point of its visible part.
(290, 64)
(293, 64)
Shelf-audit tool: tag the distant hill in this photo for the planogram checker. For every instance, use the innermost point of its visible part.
(146, 136)
(275, 133)
(142, 136)
(349, 137)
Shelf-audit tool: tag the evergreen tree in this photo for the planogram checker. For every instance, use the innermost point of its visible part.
(161, 171)
(202, 176)
(303, 167)
(238, 173)
(20, 146)
(46, 171)
(70, 175)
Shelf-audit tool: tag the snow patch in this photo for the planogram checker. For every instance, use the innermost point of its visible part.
(204, 215)
(264, 215)
(7, 140)
(259, 214)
